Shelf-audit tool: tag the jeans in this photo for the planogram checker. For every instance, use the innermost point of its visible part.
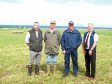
(74, 58)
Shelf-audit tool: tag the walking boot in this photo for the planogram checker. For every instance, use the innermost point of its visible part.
(48, 69)
(30, 69)
(54, 69)
(36, 69)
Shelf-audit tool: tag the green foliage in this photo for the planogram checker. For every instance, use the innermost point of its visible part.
(14, 57)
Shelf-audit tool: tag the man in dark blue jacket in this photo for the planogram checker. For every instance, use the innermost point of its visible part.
(70, 41)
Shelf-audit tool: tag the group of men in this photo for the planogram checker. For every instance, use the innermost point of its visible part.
(70, 40)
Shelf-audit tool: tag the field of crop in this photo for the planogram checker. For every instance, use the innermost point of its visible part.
(14, 57)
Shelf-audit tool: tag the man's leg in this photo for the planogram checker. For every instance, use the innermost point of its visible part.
(37, 65)
(54, 61)
(74, 61)
(87, 63)
(93, 65)
(67, 63)
(48, 62)
(32, 57)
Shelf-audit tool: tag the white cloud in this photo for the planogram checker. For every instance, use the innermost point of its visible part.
(43, 11)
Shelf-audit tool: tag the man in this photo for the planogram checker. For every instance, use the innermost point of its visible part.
(70, 41)
(89, 49)
(52, 41)
(34, 40)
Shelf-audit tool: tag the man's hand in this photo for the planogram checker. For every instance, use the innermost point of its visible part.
(63, 51)
(90, 52)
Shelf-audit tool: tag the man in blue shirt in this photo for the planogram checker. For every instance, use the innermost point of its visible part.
(70, 41)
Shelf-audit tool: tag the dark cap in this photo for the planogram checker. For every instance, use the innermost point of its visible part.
(71, 23)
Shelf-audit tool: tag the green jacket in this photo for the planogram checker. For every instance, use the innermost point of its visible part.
(52, 41)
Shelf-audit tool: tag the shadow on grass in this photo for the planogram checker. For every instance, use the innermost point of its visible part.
(43, 67)
(60, 68)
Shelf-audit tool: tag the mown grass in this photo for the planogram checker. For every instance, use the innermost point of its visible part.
(14, 57)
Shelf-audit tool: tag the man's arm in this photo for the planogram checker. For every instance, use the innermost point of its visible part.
(94, 44)
(59, 38)
(92, 48)
(42, 37)
(63, 42)
(45, 37)
(84, 52)
(27, 38)
(79, 40)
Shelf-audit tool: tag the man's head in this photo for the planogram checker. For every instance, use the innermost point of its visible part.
(52, 24)
(90, 27)
(36, 25)
(71, 25)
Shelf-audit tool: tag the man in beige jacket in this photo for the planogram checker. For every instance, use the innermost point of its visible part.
(52, 41)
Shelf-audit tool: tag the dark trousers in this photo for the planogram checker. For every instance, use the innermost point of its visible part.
(90, 61)
(74, 58)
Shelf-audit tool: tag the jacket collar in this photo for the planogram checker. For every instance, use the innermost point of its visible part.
(54, 31)
(92, 32)
(74, 31)
(35, 30)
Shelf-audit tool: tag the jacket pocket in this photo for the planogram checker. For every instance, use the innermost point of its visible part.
(46, 50)
(36, 47)
(56, 49)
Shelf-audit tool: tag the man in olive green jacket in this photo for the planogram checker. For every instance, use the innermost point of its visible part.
(52, 41)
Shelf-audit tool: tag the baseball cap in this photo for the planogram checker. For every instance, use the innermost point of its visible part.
(71, 23)
(53, 22)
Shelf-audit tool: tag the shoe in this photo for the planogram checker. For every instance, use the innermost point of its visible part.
(54, 69)
(75, 75)
(92, 77)
(87, 75)
(30, 70)
(36, 69)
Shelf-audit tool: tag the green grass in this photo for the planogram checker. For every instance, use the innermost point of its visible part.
(14, 57)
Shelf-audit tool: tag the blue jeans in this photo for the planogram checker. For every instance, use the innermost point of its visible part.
(51, 59)
(74, 58)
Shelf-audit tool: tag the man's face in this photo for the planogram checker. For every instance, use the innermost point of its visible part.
(90, 27)
(71, 27)
(52, 25)
(36, 26)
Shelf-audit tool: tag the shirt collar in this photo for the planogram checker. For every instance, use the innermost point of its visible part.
(53, 31)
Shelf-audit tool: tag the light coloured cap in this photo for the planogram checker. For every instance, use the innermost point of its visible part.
(53, 22)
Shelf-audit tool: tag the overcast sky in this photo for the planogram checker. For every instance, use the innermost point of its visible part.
(81, 12)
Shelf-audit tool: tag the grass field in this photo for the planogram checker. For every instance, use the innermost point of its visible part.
(14, 57)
